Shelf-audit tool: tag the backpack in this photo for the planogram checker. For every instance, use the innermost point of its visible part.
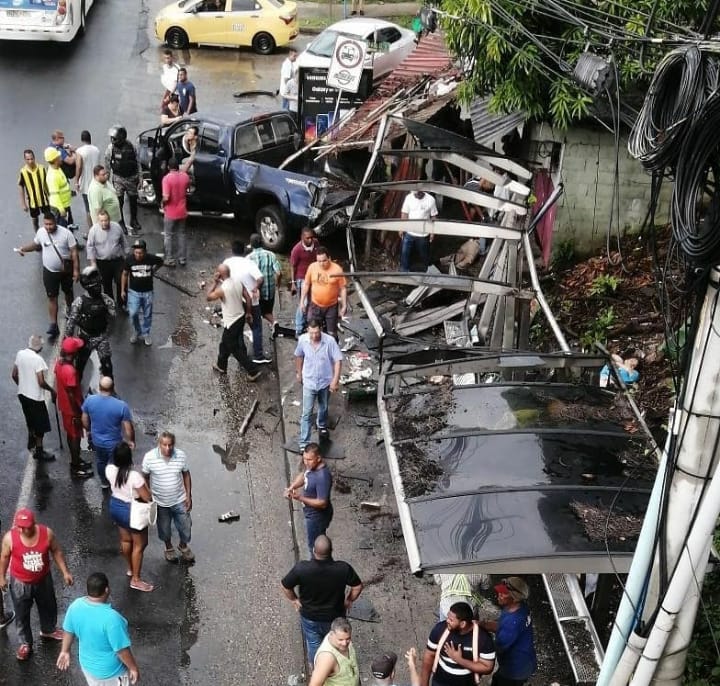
(69, 169)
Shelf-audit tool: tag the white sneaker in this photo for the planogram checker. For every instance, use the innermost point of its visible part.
(148, 340)
(134, 338)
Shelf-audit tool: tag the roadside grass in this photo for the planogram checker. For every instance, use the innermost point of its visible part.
(320, 23)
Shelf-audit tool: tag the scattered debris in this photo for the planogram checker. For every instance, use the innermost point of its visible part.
(604, 524)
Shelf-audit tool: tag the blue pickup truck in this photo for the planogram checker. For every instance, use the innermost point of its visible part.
(235, 170)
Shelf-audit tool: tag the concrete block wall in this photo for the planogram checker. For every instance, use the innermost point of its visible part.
(587, 169)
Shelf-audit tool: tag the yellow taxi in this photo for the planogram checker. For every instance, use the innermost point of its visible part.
(262, 24)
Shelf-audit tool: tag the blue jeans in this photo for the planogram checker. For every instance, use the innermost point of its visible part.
(137, 303)
(178, 515)
(300, 319)
(419, 243)
(103, 457)
(313, 632)
(316, 524)
(309, 397)
(256, 329)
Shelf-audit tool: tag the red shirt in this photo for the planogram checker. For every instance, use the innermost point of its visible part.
(67, 382)
(30, 564)
(301, 259)
(174, 187)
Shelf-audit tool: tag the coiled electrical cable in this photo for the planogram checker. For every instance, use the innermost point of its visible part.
(695, 210)
(675, 96)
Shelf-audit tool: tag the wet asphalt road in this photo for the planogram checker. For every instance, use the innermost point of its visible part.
(111, 76)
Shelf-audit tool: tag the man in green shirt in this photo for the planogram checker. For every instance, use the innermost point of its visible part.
(102, 196)
(58, 187)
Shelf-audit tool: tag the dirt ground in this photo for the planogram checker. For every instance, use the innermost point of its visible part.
(630, 319)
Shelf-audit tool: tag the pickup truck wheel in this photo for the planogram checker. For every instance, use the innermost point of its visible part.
(270, 224)
(263, 43)
(176, 38)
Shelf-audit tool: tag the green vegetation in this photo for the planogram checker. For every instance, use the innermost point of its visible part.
(599, 328)
(320, 23)
(703, 661)
(522, 51)
(604, 285)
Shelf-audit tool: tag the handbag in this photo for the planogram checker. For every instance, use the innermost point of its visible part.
(142, 515)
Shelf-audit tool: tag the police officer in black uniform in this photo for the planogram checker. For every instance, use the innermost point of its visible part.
(122, 160)
(89, 319)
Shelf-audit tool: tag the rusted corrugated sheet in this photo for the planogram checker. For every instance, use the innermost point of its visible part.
(489, 127)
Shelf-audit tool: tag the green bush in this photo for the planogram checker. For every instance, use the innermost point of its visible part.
(605, 285)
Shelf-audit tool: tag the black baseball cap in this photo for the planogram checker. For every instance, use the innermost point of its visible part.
(140, 243)
(384, 665)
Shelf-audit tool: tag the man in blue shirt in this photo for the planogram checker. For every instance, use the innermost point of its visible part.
(514, 641)
(317, 366)
(186, 92)
(106, 418)
(316, 482)
(102, 635)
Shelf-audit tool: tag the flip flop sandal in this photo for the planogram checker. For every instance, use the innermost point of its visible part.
(142, 586)
(230, 516)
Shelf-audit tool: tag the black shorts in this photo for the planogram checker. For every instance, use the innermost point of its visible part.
(267, 306)
(37, 211)
(54, 281)
(36, 415)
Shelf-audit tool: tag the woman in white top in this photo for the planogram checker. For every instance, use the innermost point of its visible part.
(126, 485)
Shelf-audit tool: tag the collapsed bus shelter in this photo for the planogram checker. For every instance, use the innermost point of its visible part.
(503, 459)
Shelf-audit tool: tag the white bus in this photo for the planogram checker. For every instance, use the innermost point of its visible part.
(43, 20)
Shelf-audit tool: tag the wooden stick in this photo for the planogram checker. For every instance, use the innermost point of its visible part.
(248, 417)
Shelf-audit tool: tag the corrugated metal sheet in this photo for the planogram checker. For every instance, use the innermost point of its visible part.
(430, 59)
(489, 127)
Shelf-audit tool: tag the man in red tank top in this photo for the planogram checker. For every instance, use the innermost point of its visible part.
(26, 549)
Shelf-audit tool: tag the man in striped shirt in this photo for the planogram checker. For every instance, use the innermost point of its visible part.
(33, 189)
(458, 651)
(168, 476)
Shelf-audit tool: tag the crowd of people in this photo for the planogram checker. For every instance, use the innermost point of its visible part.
(119, 278)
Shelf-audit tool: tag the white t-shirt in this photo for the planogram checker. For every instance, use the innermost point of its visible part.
(28, 364)
(63, 240)
(419, 208)
(125, 493)
(91, 158)
(246, 272)
(232, 304)
(169, 76)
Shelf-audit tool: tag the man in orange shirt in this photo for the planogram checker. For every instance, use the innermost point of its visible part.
(325, 291)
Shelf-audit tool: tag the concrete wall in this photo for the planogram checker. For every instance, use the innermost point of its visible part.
(583, 159)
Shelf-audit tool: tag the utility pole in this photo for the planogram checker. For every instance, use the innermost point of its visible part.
(680, 569)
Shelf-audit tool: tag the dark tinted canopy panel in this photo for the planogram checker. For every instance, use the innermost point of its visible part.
(469, 464)
(501, 407)
(513, 475)
(528, 531)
